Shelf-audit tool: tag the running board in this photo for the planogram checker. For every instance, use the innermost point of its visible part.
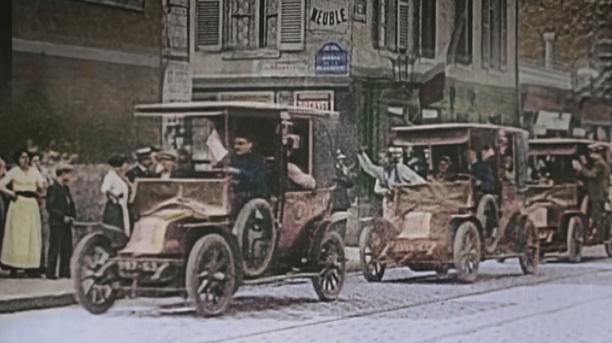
(278, 278)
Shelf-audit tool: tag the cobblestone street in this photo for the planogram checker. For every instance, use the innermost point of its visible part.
(562, 303)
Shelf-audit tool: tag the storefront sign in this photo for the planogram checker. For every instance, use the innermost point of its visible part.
(329, 15)
(265, 97)
(283, 68)
(314, 99)
(331, 59)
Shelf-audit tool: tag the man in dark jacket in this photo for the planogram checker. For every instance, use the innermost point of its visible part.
(248, 170)
(61, 214)
(596, 179)
(143, 168)
(484, 176)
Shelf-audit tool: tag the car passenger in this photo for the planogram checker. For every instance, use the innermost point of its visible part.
(444, 174)
(484, 177)
(248, 170)
(391, 173)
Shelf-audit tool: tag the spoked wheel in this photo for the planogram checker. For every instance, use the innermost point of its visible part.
(210, 275)
(370, 245)
(530, 249)
(257, 236)
(575, 239)
(466, 252)
(608, 243)
(93, 274)
(331, 264)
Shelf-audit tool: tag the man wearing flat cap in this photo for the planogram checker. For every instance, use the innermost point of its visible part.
(596, 179)
(167, 160)
(143, 168)
(61, 215)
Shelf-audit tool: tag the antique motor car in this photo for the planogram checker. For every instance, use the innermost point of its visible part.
(557, 201)
(193, 234)
(453, 220)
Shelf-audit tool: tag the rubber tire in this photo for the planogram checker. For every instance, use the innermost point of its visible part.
(529, 230)
(238, 229)
(486, 201)
(334, 238)
(83, 249)
(464, 275)
(608, 245)
(364, 238)
(574, 248)
(193, 270)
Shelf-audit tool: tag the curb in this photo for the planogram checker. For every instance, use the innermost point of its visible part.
(37, 302)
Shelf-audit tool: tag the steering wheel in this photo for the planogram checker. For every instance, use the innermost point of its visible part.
(464, 176)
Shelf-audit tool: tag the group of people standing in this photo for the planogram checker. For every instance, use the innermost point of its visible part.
(24, 190)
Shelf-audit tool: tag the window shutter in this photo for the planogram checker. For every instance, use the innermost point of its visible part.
(404, 25)
(291, 30)
(391, 25)
(209, 17)
(416, 27)
(376, 23)
(486, 33)
(504, 34)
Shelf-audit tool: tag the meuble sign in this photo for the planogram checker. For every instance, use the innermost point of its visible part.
(326, 14)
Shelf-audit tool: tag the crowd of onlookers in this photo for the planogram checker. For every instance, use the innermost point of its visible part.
(36, 209)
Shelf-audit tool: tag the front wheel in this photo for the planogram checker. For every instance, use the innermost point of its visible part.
(575, 234)
(370, 245)
(331, 265)
(530, 249)
(467, 252)
(608, 243)
(93, 274)
(210, 275)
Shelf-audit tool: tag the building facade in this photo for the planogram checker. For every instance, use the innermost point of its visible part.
(379, 63)
(565, 57)
(78, 67)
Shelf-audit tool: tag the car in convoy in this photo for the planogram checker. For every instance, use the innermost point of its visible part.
(557, 200)
(190, 235)
(452, 221)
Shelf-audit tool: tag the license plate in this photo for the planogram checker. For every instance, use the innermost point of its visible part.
(133, 266)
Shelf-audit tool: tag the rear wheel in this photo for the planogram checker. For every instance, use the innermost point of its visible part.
(575, 234)
(331, 265)
(92, 275)
(371, 244)
(210, 275)
(467, 252)
(530, 249)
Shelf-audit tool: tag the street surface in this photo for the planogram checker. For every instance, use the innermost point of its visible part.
(562, 303)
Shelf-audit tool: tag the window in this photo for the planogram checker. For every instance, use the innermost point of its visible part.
(391, 24)
(463, 31)
(425, 13)
(250, 24)
(494, 34)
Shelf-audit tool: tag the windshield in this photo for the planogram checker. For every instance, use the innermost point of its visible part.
(196, 139)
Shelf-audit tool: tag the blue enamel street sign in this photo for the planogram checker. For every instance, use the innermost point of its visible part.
(331, 59)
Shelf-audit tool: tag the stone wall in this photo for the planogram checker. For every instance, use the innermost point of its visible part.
(577, 24)
(86, 24)
(86, 193)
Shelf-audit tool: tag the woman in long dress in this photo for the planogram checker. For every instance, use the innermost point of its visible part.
(22, 243)
(116, 188)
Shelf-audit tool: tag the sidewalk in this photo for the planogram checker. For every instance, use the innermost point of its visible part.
(32, 294)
